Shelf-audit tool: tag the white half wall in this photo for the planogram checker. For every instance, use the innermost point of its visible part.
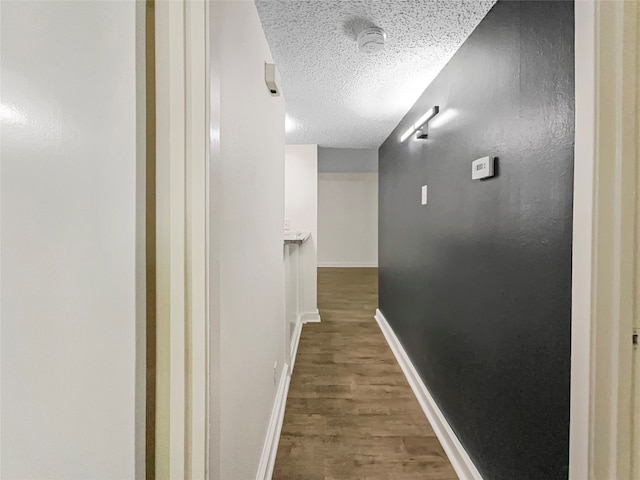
(301, 208)
(247, 215)
(348, 219)
(68, 252)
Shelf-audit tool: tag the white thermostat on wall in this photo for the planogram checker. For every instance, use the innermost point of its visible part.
(482, 168)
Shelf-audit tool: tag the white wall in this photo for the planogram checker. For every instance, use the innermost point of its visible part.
(247, 126)
(347, 207)
(301, 208)
(68, 221)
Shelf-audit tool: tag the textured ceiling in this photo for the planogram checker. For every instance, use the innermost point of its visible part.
(339, 97)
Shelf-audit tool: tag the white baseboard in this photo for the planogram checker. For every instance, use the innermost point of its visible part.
(268, 458)
(310, 317)
(295, 341)
(270, 449)
(458, 456)
(348, 264)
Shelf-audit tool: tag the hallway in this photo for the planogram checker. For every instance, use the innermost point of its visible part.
(350, 413)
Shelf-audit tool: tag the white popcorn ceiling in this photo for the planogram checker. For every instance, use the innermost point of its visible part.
(338, 96)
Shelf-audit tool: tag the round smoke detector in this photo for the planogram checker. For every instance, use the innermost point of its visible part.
(371, 40)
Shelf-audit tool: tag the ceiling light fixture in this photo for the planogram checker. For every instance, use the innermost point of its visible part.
(426, 117)
(421, 125)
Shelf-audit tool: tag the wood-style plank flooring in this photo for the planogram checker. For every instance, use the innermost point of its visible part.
(350, 412)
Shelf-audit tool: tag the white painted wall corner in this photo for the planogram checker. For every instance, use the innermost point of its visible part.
(310, 317)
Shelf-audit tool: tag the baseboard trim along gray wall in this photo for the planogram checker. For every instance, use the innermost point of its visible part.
(458, 456)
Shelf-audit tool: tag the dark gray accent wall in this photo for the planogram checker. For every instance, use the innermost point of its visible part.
(477, 283)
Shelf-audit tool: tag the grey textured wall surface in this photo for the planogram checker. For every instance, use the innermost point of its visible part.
(477, 283)
(347, 160)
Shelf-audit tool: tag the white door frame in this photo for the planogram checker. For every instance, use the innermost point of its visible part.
(182, 239)
(603, 239)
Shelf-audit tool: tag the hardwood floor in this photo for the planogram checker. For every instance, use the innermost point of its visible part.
(350, 412)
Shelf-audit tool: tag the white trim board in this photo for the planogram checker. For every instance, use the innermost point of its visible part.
(348, 265)
(182, 414)
(268, 457)
(456, 453)
(295, 341)
(310, 317)
(603, 299)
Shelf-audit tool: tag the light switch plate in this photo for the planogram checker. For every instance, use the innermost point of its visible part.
(287, 224)
(482, 168)
(424, 195)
